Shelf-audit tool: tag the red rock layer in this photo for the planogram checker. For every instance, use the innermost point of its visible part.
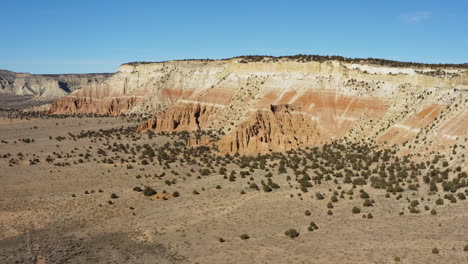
(455, 127)
(83, 105)
(183, 116)
(400, 133)
(315, 117)
(335, 113)
(280, 128)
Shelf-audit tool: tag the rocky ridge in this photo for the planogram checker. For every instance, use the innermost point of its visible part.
(45, 88)
(275, 104)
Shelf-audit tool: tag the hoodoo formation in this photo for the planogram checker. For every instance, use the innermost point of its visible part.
(266, 104)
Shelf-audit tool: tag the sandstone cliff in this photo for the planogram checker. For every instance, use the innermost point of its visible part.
(265, 104)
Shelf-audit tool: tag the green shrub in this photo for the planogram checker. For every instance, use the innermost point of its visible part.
(222, 170)
(370, 216)
(114, 196)
(367, 203)
(433, 212)
(137, 189)
(440, 201)
(364, 195)
(253, 186)
(292, 233)
(356, 210)
(308, 213)
(435, 251)
(244, 236)
(313, 225)
(274, 185)
(266, 188)
(451, 198)
(149, 191)
(319, 196)
(461, 196)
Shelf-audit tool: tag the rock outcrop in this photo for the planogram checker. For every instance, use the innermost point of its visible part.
(45, 88)
(266, 104)
(182, 117)
(280, 128)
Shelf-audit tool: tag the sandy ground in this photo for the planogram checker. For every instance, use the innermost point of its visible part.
(41, 221)
(18, 102)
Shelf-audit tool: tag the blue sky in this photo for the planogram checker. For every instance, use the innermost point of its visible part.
(97, 36)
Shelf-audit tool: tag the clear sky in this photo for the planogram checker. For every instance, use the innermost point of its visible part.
(79, 36)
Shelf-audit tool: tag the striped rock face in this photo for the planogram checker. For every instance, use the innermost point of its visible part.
(282, 104)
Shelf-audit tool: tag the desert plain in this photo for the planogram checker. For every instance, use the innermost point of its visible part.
(86, 189)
